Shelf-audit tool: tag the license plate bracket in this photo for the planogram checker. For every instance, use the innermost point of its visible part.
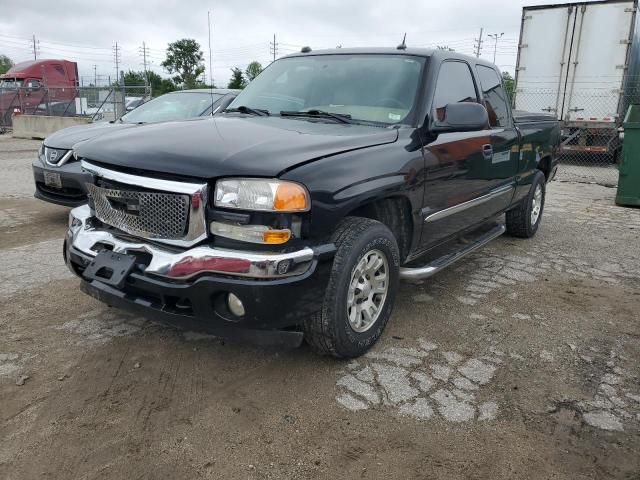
(110, 267)
(52, 179)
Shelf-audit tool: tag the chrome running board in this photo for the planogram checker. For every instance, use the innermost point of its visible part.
(418, 273)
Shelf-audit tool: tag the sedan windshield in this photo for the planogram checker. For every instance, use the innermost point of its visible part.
(369, 88)
(170, 107)
(11, 83)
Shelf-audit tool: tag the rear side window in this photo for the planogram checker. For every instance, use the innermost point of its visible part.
(495, 98)
(454, 85)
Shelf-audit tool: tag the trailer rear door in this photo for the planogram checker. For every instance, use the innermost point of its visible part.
(598, 62)
(543, 55)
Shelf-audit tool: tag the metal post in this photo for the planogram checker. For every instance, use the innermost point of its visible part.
(35, 56)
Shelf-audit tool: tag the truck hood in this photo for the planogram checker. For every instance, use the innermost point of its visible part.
(224, 146)
(68, 137)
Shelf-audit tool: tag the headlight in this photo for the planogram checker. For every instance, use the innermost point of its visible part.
(261, 194)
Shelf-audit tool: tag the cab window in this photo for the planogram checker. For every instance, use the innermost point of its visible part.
(495, 98)
(33, 84)
(455, 85)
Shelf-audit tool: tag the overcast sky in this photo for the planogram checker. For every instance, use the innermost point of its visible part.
(85, 31)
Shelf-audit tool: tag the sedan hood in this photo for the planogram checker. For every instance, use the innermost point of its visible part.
(229, 145)
(68, 137)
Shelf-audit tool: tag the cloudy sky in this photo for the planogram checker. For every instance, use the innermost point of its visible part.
(86, 31)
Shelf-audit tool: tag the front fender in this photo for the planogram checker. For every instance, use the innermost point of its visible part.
(343, 183)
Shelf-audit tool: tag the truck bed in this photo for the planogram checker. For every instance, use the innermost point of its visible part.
(520, 116)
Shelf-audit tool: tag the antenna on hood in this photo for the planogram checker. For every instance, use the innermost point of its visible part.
(210, 69)
(403, 45)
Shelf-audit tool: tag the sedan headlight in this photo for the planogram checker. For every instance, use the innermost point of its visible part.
(261, 195)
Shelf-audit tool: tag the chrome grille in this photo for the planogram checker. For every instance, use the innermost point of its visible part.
(144, 214)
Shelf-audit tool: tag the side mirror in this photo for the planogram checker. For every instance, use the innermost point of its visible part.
(462, 117)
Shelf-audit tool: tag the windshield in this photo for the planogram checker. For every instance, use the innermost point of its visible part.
(173, 106)
(11, 83)
(370, 88)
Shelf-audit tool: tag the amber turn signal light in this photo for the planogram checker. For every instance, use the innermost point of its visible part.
(274, 237)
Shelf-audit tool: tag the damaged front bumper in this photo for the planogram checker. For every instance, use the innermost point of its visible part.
(190, 288)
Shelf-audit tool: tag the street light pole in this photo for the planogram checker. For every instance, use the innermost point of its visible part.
(496, 37)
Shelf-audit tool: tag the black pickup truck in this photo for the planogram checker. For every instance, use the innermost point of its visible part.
(295, 213)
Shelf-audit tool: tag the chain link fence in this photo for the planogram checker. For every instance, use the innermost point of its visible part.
(97, 103)
(591, 118)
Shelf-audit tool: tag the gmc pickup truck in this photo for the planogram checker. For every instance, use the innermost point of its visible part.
(295, 213)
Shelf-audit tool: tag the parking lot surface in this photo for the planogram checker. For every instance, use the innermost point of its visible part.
(522, 361)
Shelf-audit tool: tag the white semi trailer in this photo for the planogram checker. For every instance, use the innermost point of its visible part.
(580, 61)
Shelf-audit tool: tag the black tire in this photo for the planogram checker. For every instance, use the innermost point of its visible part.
(519, 221)
(329, 331)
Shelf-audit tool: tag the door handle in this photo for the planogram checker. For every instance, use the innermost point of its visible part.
(487, 151)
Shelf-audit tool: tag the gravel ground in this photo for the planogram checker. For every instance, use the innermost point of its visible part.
(522, 361)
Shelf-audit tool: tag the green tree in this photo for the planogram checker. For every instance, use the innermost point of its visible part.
(185, 59)
(253, 70)
(159, 85)
(132, 78)
(237, 79)
(508, 82)
(5, 64)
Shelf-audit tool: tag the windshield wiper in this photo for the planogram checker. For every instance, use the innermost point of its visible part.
(341, 117)
(244, 109)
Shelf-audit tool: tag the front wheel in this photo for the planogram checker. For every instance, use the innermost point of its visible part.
(359, 298)
(524, 220)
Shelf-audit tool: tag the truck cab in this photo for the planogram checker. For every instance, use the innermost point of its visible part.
(37, 85)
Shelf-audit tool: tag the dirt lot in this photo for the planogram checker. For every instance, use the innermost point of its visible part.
(521, 362)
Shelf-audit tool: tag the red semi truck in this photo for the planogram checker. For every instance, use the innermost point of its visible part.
(47, 86)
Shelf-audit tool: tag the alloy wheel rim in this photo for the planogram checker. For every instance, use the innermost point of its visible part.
(368, 289)
(536, 205)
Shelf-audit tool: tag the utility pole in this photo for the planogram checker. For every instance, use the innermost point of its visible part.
(478, 45)
(496, 37)
(35, 47)
(95, 75)
(144, 52)
(273, 47)
(116, 58)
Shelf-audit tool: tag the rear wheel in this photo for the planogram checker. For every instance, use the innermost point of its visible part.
(359, 298)
(524, 220)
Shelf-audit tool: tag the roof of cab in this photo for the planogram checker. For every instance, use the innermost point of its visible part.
(416, 52)
(31, 67)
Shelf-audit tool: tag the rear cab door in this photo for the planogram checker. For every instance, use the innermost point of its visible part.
(502, 165)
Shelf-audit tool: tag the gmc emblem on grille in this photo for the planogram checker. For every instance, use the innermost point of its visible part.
(126, 205)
